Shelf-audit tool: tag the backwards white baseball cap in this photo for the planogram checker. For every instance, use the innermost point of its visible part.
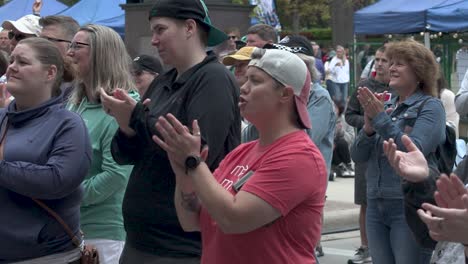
(289, 70)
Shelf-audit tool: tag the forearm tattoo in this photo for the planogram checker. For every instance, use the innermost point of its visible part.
(190, 201)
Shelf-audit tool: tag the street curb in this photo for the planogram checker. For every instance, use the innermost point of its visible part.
(340, 219)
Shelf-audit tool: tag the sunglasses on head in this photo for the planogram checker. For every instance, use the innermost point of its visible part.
(17, 37)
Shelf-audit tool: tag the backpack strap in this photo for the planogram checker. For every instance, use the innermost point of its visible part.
(420, 108)
(421, 105)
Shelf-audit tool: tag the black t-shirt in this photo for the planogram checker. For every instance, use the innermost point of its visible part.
(207, 92)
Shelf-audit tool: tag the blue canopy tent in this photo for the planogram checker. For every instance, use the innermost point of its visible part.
(117, 23)
(449, 17)
(402, 16)
(15, 9)
(398, 16)
(102, 12)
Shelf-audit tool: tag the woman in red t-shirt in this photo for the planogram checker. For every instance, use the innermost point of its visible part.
(264, 202)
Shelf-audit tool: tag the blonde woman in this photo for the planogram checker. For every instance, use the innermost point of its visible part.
(94, 50)
(339, 69)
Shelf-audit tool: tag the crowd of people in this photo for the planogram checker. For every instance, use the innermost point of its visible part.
(220, 149)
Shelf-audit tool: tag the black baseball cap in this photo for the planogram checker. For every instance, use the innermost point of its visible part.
(298, 42)
(147, 63)
(189, 9)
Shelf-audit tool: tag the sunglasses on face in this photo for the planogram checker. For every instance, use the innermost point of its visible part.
(56, 39)
(17, 37)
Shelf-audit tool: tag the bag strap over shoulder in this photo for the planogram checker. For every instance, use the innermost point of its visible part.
(75, 240)
(420, 108)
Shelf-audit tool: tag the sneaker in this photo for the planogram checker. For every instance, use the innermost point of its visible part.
(340, 169)
(348, 170)
(319, 252)
(362, 256)
(332, 176)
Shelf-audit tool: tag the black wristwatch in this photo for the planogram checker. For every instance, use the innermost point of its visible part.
(192, 162)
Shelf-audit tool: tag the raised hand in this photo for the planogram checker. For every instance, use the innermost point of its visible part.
(4, 96)
(446, 224)
(119, 105)
(370, 103)
(37, 6)
(176, 139)
(450, 191)
(411, 165)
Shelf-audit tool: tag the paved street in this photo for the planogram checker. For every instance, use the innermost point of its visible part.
(340, 211)
(338, 248)
(340, 214)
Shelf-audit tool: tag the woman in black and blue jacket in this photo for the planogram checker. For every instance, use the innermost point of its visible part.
(45, 155)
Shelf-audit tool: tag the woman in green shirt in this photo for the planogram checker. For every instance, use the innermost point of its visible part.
(93, 50)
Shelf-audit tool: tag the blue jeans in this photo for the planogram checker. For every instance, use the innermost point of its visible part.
(341, 93)
(331, 89)
(390, 238)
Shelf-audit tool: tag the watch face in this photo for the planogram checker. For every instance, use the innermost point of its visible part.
(192, 162)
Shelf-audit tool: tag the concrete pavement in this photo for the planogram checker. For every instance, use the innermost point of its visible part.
(340, 212)
(339, 248)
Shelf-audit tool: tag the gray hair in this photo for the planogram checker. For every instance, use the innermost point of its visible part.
(66, 23)
(310, 63)
(265, 32)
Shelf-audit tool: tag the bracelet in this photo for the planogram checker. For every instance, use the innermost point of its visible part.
(37, 14)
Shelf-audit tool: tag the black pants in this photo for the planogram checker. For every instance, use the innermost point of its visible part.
(131, 255)
(341, 152)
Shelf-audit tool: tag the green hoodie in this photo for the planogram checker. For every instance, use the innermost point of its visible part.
(104, 186)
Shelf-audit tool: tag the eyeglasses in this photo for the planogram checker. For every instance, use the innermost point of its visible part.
(75, 45)
(232, 37)
(18, 37)
(56, 39)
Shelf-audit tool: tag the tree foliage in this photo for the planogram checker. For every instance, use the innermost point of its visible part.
(240, 2)
(358, 4)
(311, 13)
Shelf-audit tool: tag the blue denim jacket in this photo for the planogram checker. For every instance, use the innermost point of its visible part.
(323, 118)
(427, 132)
